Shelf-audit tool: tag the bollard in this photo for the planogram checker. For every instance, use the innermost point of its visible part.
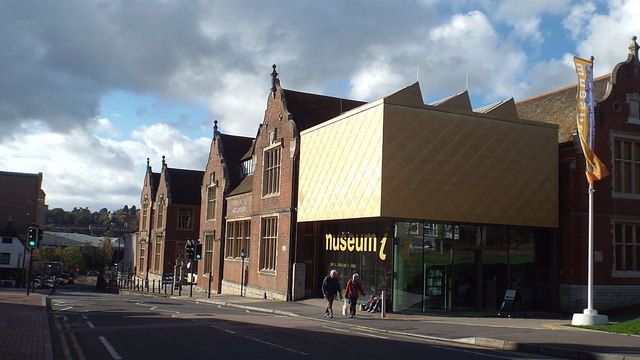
(153, 288)
(383, 308)
(165, 289)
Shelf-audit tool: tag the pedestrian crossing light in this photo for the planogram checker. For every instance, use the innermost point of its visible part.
(33, 237)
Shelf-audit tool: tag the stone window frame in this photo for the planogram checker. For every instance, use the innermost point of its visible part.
(212, 197)
(238, 237)
(617, 170)
(209, 239)
(7, 240)
(271, 170)
(619, 233)
(160, 212)
(157, 253)
(7, 256)
(185, 219)
(268, 243)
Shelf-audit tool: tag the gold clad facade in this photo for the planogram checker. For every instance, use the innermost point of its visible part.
(399, 158)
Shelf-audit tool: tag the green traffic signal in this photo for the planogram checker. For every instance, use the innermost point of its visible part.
(33, 236)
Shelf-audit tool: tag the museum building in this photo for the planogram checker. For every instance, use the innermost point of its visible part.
(441, 206)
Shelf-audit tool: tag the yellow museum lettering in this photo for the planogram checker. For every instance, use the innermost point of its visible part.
(356, 243)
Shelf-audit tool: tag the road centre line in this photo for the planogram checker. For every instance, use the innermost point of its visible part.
(262, 341)
(114, 354)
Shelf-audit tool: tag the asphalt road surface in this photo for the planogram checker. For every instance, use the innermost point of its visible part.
(87, 325)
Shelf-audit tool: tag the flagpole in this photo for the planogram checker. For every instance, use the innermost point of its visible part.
(590, 266)
(589, 316)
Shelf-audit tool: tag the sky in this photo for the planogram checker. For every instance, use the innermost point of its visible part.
(90, 89)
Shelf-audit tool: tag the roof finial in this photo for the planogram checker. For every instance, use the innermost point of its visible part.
(215, 127)
(148, 165)
(164, 163)
(633, 46)
(274, 79)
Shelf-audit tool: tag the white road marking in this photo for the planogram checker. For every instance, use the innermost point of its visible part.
(85, 317)
(65, 347)
(67, 308)
(114, 354)
(90, 324)
(76, 346)
(336, 329)
(153, 308)
(474, 352)
(262, 341)
(356, 332)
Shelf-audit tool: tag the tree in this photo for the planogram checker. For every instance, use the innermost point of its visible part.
(105, 251)
(73, 259)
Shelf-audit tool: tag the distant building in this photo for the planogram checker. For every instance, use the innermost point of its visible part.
(22, 200)
(14, 257)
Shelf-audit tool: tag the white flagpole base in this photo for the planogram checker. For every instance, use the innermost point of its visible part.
(589, 317)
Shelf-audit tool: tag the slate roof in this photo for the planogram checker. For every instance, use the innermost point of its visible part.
(155, 182)
(234, 149)
(309, 110)
(245, 186)
(185, 185)
(558, 107)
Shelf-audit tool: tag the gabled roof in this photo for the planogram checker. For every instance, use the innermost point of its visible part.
(503, 109)
(408, 96)
(155, 182)
(558, 107)
(245, 186)
(309, 110)
(459, 101)
(234, 148)
(184, 185)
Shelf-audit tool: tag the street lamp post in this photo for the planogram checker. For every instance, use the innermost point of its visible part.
(243, 255)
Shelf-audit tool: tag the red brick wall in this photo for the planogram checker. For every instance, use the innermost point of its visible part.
(280, 205)
(611, 116)
(213, 226)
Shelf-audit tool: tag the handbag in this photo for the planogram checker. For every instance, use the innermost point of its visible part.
(345, 307)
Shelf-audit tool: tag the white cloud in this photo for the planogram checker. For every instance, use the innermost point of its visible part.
(525, 16)
(81, 169)
(579, 17)
(607, 46)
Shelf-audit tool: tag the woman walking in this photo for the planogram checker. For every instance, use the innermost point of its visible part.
(353, 288)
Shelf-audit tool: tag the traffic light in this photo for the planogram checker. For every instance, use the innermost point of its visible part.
(198, 254)
(33, 236)
(190, 249)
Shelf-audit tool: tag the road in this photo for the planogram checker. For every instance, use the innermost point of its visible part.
(87, 325)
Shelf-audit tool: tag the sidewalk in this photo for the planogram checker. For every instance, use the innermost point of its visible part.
(542, 335)
(24, 326)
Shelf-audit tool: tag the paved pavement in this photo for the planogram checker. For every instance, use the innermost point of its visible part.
(542, 334)
(24, 327)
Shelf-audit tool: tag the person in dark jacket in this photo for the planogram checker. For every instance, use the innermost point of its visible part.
(353, 288)
(330, 288)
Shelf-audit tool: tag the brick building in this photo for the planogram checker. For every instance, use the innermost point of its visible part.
(172, 217)
(261, 209)
(224, 171)
(616, 198)
(145, 221)
(22, 200)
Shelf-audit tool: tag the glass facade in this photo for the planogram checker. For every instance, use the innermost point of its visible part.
(427, 266)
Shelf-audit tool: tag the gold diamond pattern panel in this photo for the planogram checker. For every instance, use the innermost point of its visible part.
(341, 168)
(454, 167)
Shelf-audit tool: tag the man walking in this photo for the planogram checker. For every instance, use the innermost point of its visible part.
(330, 288)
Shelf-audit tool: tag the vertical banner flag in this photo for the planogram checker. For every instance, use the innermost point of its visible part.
(586, 119)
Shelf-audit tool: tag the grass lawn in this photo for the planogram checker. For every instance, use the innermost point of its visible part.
(631, 327)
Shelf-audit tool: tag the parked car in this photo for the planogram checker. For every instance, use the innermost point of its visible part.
(62, 279)
(49, 283)
(38, 283)
(92, 273)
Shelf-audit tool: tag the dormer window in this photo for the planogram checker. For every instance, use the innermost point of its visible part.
(246, 167)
